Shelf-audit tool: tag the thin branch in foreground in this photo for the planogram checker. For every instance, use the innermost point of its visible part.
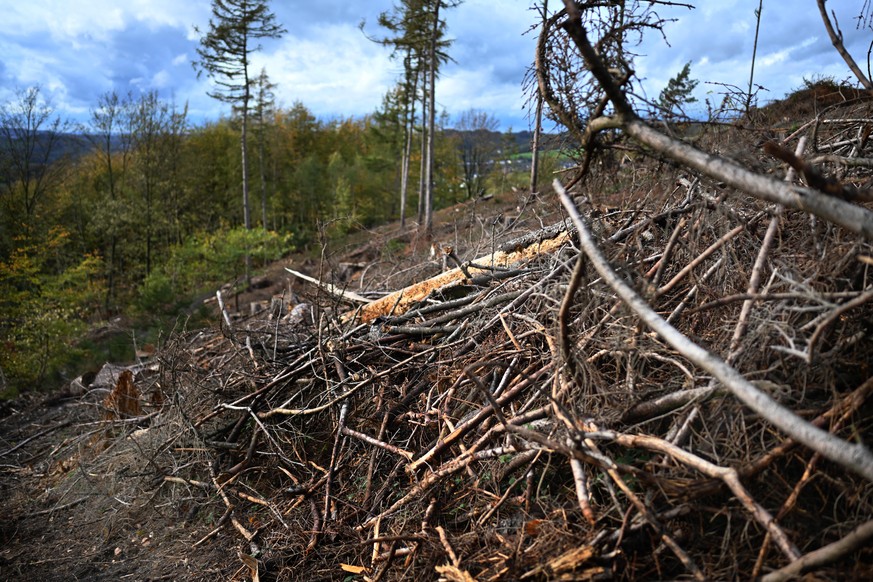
(837, 40)
(850, 216)
(729, 476)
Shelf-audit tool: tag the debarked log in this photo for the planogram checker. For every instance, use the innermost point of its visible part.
(401, 301)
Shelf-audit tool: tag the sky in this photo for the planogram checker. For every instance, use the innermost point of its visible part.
(78, 50)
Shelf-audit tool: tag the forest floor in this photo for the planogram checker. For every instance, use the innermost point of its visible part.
(517, 422)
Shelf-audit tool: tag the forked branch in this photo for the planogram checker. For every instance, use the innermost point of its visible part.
(841, 212)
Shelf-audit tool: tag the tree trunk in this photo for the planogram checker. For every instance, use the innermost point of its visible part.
(422, 172)
(263, 172)
(409, 127)
(148, 227)
(535, 146)
(404, 174)
(538, 124)
(247, 216)
(431, 123)
(110, 277)
(247, 219)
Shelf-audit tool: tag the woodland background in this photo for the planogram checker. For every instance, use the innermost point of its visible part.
(137, 214)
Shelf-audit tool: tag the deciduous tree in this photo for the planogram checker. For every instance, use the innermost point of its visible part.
(478, 145)
(31, 151)
(111, 144)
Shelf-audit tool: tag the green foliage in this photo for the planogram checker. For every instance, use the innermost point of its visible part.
(156, 294)
(45, 304)
(206, 260)
(678, 93)
(140, 223)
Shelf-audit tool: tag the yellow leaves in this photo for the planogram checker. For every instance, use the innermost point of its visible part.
(46, 295)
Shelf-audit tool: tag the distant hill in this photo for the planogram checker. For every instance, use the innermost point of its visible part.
(520, 141)
(70, 145)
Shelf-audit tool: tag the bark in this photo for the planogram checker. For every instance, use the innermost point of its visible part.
(538, 123)
(422, 172)
(409, 126)
(431, 123)
(401, 301)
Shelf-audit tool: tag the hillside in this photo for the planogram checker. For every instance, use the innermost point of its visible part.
(517, 421)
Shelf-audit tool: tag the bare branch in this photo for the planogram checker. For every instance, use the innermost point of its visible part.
(855, 457)
(837, 40)
(828, 554)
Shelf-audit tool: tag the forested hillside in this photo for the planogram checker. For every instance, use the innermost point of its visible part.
(140, 211)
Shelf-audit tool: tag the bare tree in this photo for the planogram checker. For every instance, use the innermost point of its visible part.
(30, 151)
(477, 148)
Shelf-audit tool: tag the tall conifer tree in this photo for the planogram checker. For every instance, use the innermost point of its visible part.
(418, 35)
(225, 52)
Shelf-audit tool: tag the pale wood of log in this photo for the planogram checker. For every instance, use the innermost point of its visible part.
(401, 301)
(330, 287)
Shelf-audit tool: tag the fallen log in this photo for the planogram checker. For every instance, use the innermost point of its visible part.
(401, 301)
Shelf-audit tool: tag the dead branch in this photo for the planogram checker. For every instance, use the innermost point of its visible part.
(828, 554)
(331, 288)
(837, 40)
(855, 457)
(401, 301)
(853, 218)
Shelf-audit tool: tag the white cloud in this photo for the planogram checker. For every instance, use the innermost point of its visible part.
(95, 19)
(335, 71)
(466, 89)
(80, 51)
(172, 13)
(775, 58)
(161, 80)
(741, 27)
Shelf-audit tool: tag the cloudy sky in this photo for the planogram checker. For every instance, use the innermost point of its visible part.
(78, 50)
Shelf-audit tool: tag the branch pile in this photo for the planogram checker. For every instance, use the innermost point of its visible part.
(528, 419)
(523, 421)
